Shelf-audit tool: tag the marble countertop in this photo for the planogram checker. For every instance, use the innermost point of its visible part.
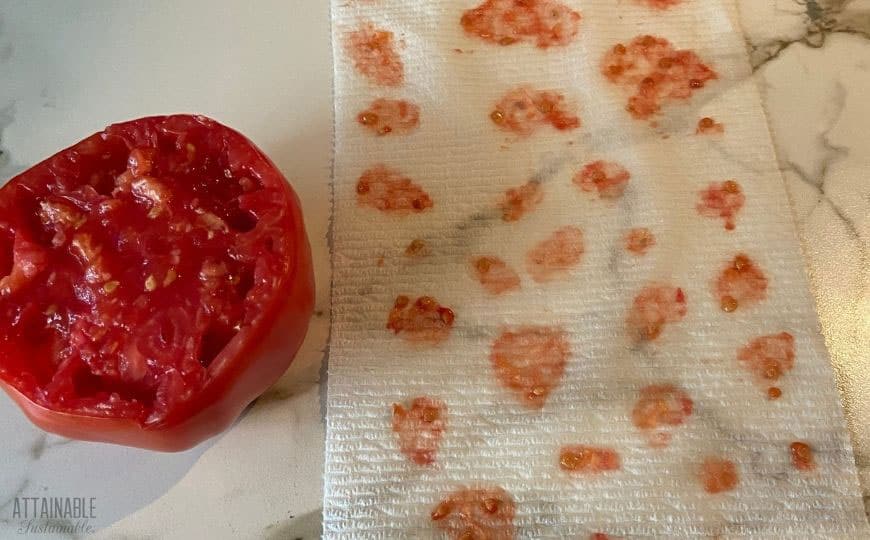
(68, 69)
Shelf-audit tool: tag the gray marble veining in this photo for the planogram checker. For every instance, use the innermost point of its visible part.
(811, 60)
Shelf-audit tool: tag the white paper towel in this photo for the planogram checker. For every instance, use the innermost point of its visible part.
(465, 163)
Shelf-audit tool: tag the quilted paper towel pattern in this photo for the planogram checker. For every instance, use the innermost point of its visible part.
(568, 296)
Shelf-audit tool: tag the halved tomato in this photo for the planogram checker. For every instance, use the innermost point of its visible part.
(155, 278)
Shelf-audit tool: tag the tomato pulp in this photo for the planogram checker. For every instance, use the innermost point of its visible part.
(155, 278)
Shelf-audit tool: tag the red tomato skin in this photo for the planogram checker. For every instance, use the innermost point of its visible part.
(250, 363)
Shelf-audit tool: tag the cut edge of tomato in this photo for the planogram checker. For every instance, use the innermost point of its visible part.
(231, 385)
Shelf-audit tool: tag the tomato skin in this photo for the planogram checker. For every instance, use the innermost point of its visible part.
(250, 363)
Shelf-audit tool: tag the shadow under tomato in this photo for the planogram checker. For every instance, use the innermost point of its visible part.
(121, 480)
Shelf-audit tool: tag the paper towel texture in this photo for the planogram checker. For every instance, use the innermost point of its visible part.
(447, 186)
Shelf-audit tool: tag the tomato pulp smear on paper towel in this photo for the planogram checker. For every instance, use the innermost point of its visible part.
(496, 276)
(546, 23)
(639, 240)
(374, 55)
(144, 270)
(718, 475)
(485, 512)
(420, 428)
(583, 459)
(390, 116)
(655, 72)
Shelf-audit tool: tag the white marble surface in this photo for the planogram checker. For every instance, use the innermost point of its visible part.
(68, 69)
(812, 60)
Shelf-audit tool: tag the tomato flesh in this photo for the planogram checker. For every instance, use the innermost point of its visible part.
(129, 261)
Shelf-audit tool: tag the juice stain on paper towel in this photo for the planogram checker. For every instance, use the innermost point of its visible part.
(660, 4)
(802, 456)
(476, 513)
(555, 255)
(545, 23)
(606, 178)
(523, 110)
(420, 428)
(388, 190)
(519, 201)
(741, 282)
(718, 475)
(374, 55)
(530, 361)
(653, 308)
(579, 458)
(639, 240)
(423, 321)
(654, 73)
(496, 276)
(709, 126)
(390, 116)
(768, 357)
(722, 200)
(659, 409)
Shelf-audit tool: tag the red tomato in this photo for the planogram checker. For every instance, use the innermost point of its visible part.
(157, 279)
